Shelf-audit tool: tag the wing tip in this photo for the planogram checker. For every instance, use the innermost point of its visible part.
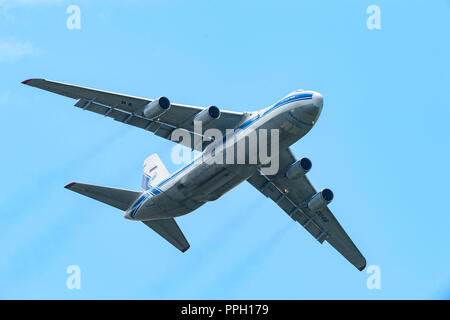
(185, 249)
(26, 81)
(362, 267)
(32, 81)
(70, 185)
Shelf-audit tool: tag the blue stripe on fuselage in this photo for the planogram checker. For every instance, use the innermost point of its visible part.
(175, 174)
(293, 98)
(148, 186)
(289, 99)
(249, 122)
(138, 204)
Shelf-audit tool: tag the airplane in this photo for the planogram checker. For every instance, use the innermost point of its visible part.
(165, 196)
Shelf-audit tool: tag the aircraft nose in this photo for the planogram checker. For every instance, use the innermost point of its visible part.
(311, 111)
(317, 100)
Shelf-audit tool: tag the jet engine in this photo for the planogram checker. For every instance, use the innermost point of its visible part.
(298, 168)
(207, 115)
(156, 107)
(320, 199)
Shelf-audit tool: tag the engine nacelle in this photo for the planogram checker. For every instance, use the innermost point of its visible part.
(320, 199)
(156, 107)
(207, 115)
(298, 168)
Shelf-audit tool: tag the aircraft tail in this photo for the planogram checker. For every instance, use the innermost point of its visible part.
(123, 200)
(154, 172)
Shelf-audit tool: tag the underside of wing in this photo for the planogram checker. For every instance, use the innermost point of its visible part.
(131, 110)
(292, 195)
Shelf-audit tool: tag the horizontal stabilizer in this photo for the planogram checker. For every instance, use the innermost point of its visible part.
(169, 230)
(118, 198)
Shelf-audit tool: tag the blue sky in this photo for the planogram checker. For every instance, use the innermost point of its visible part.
(381, 144)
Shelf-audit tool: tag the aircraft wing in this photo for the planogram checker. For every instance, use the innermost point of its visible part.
(292, 195)
(129, 110)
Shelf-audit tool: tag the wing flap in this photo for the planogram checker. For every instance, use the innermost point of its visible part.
(169, 230)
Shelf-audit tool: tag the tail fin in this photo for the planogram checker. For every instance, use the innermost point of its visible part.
(119, 198)
(154, 172)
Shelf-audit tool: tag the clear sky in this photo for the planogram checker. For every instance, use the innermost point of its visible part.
(381, 144)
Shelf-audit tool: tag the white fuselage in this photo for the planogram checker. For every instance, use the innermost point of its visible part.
(203, 180)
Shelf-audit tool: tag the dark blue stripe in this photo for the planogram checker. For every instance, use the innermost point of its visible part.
(138, 203)
(298, 97)
(249, 122)
(175, 174)
(149, 186)
(155, 191)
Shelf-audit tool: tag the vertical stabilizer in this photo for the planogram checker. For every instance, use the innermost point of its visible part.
(154, 172)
